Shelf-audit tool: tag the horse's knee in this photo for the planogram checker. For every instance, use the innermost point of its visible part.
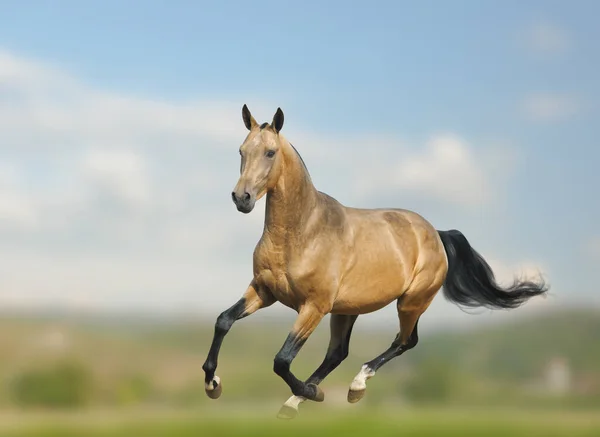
(281, 365)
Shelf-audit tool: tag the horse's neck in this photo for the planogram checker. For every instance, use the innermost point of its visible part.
(292, 200)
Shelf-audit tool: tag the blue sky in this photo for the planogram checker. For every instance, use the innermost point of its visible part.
(509, 90)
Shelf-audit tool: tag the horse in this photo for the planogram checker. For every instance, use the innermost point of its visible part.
(318, 257)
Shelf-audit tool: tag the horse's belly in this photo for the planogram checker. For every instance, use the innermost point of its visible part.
(368, 294)
(373, 279)
(353, 307)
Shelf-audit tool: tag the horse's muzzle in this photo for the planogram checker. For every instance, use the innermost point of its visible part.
(244, 202)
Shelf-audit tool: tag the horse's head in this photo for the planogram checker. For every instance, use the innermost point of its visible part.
(261, 160)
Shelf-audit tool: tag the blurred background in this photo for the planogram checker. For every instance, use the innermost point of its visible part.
(120, 124)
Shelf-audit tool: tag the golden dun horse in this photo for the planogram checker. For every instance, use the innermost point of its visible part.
(320, 257)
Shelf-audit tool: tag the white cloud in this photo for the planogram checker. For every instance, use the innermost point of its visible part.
(43, 107)
(547, 39)
(121, 173)
(21, 72)
(16, 206)
(106, 177)
(447, 169)
(122, 201)
(548, 107)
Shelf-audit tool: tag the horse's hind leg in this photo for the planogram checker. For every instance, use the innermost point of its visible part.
(341, 330)
(410, 309)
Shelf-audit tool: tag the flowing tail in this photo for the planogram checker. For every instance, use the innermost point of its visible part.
(470, 280)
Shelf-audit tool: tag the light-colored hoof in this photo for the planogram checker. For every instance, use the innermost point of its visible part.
(320, 396)
(359, 384)
(356, 395)
(287, 413)
(214, 388)
(289, 410)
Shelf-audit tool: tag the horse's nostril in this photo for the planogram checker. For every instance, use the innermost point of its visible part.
(246, 196)
(233, 196)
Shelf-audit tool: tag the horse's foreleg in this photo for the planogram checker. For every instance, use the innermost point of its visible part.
(251, 301)
(341, 329)
(308, 319)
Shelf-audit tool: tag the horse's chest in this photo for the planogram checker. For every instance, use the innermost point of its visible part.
(276, 281)
(287, 278)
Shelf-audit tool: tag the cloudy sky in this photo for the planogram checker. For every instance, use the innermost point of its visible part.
(120, 124)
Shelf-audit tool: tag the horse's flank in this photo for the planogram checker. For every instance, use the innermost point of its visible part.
(343, 260)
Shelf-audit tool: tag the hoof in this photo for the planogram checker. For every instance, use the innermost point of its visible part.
(356, 395)
(214, 388)
(359, 384)
(319, 395)
(287, 413)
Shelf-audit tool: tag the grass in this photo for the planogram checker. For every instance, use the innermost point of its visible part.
(314, 421)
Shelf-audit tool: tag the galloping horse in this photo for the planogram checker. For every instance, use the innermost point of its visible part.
(320, 257)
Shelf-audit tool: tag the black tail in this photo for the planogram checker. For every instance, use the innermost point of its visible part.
(470, 280)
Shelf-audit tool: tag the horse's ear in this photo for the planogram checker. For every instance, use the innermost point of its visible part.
(249, 121)
(277, 123)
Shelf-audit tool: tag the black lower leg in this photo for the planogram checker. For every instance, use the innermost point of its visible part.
(396, 349)
(282, 363)
(341, 330)
(222, 326)
(333, 359)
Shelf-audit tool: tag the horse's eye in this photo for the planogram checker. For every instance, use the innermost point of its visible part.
(270, 153)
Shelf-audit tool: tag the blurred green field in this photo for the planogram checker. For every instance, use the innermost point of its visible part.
(68, 362)
(67, 376)
(314, 421)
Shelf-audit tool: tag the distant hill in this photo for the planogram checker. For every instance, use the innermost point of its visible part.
(518, 350)
(135, 359)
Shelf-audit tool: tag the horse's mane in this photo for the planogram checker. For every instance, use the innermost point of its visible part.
(300, 156)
